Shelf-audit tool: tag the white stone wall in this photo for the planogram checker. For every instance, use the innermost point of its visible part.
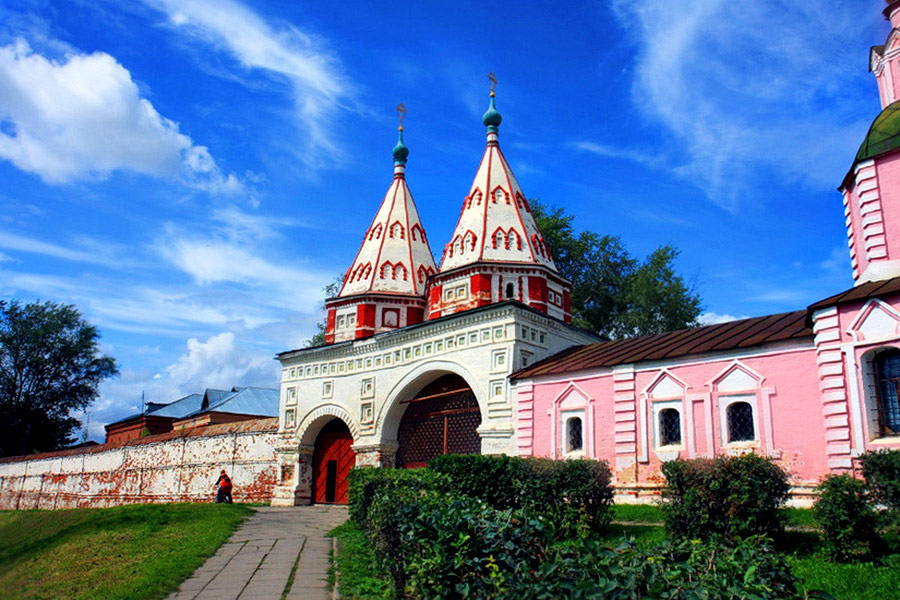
(171, 467)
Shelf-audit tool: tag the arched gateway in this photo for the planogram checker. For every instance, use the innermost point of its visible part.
(443, 418)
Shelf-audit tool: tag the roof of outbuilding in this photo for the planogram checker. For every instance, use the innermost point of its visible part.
(180, 408)
(244, 401)
(709, 338)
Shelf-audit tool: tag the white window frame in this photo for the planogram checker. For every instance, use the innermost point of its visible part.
(564, 417)
(727, 400)
(658, 407)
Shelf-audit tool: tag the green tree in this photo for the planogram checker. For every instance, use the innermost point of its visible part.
(613, 293)
(331, 290)
(50, 365)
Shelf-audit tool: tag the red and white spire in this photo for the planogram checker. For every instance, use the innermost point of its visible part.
(497, 252)
(495, 222)
(394, 257)
(384, 288)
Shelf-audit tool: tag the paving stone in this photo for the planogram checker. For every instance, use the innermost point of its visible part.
(256, 562)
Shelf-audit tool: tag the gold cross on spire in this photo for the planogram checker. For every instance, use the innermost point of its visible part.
(493, 79)
(401, 114)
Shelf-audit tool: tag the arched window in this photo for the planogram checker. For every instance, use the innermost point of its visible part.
(669, 427)
(574, 437)
(510, 290)
(739, 417)
(887, 380)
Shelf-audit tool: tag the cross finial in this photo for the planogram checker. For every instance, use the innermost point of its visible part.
(493, 79)
(401, 114)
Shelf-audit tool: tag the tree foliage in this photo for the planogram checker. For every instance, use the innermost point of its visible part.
(613, 293)
(331, 290)
(50, 365)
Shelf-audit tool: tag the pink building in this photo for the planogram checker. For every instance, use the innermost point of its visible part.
(478, 354)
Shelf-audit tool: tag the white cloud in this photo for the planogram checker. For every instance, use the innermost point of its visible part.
(754, 87)
(712, 318)
(282, 52)
(623, 153)
(92, 251)
(220, 363)
(83, 117)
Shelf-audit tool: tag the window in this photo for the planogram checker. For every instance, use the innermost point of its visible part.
(669, 427)
(739, 417)
(887, 379)
(574, 438)
(391, 318)
(510, 290)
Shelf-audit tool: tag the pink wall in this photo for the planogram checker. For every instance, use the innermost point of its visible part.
(781, 382)
(888, 168)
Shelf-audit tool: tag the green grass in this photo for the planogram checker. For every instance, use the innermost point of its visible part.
(864, 581)
(800, 517)
(358, 573)
(640, 513)
(651, 513)
(131, 552)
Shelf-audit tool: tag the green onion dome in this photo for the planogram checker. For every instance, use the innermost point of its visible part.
(400, 150)
(492, 117)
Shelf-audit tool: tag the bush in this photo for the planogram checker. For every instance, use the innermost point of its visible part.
(669, 571)
(496, 479)
(574, 495)
(881, 471)
(729, 497)
(366, 483)
(848, 521)
(438, 545)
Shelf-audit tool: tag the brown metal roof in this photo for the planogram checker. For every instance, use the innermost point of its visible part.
(710, 338)
(861, 292)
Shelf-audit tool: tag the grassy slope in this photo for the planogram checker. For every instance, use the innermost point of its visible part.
(130, 552)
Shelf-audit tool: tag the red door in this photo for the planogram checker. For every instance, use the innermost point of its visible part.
(332, 460)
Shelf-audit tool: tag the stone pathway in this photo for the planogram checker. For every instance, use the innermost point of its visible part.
(257, 561)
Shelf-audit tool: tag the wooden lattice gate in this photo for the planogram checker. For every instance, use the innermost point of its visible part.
(441, 419)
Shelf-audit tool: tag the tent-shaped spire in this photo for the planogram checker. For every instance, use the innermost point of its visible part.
(394, 257)
(495, 224)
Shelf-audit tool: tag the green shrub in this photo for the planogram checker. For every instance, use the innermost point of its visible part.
(365, 483)
(496, 479)
(881, 471)
(729, 497)
(438, 545)
(574, 495)
(847, 519)
(681, 570)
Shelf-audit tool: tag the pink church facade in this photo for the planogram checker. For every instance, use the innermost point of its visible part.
(478, 354)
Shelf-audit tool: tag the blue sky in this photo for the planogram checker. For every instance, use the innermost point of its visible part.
(190, 173)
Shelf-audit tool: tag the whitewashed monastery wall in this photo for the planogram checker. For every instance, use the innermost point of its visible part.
(171, 467)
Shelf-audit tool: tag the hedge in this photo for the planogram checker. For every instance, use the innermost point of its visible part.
(848, 520)
(729, 497)
(439, 545)
(574, 495)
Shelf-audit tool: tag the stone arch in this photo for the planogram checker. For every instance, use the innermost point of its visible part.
(312, 422)
(388, 419)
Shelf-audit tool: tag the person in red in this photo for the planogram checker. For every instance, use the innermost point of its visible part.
(223, 494)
